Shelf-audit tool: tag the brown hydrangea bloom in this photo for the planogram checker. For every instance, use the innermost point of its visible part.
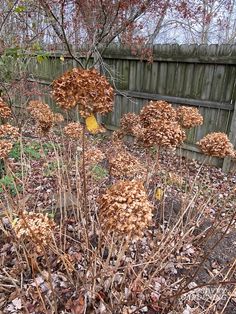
(130, 124)
(188, 117)
(157, 110)
(43, 115)
(35, 227)
(85, 88)
(74, 130)
(9, 131)
(5, 111)
(166, 134)
(125, 209)
(117, 137)
(93, 156)
(5, 148)
(58, 118)
(124, 165)
(216, 144)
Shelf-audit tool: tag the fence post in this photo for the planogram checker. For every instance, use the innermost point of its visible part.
(232, 137)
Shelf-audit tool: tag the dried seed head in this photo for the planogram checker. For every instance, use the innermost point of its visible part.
(216, 144)
(5, 148)
(125, 166)
(117, 137)
(125, 209)
(42, 114)
(166, 134)
(157, 110)
(58, 118)
(8, 131)
(35, 227)
(130, 124)
(188, 117)
(74, 130)
(5, 111)
(93, 156)
(85, 88)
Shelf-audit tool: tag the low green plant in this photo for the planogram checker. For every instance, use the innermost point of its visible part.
(7, 183)
(99, 172)
(31, 150)
(50, 168)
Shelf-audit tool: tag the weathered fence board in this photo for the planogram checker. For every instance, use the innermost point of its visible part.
(201, 76)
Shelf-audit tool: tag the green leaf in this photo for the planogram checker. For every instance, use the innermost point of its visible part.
(40, 58)
(20, 9)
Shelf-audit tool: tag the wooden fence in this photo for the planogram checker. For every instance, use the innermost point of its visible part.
(201, 76)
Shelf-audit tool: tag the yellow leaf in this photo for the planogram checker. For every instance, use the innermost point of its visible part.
(92, 125)
(15, 221)
(62, 58)
(159, 194)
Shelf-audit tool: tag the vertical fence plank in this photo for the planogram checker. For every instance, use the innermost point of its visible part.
(232, 137)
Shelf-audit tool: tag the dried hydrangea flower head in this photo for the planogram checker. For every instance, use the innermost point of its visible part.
(43, 115)
(125, 209)
(5, 148)
(93, 156)
(189, 117)
(35, 227)
(85, 88)
(166, 134)
(8, 131)
(157, 110)
(74, 130)
(123, 165)
(130, 124)
(5, 111)
(216, 144)
(58, 118)
(117, 136)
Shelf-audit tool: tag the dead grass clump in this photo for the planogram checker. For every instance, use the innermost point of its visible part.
(217, 145)
(189, 117)
(125, 209)
(85, 88)
(5, 111)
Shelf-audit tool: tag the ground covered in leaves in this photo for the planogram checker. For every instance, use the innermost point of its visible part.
(184, 263)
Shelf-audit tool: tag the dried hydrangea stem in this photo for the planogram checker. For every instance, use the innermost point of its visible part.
(85, 207)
